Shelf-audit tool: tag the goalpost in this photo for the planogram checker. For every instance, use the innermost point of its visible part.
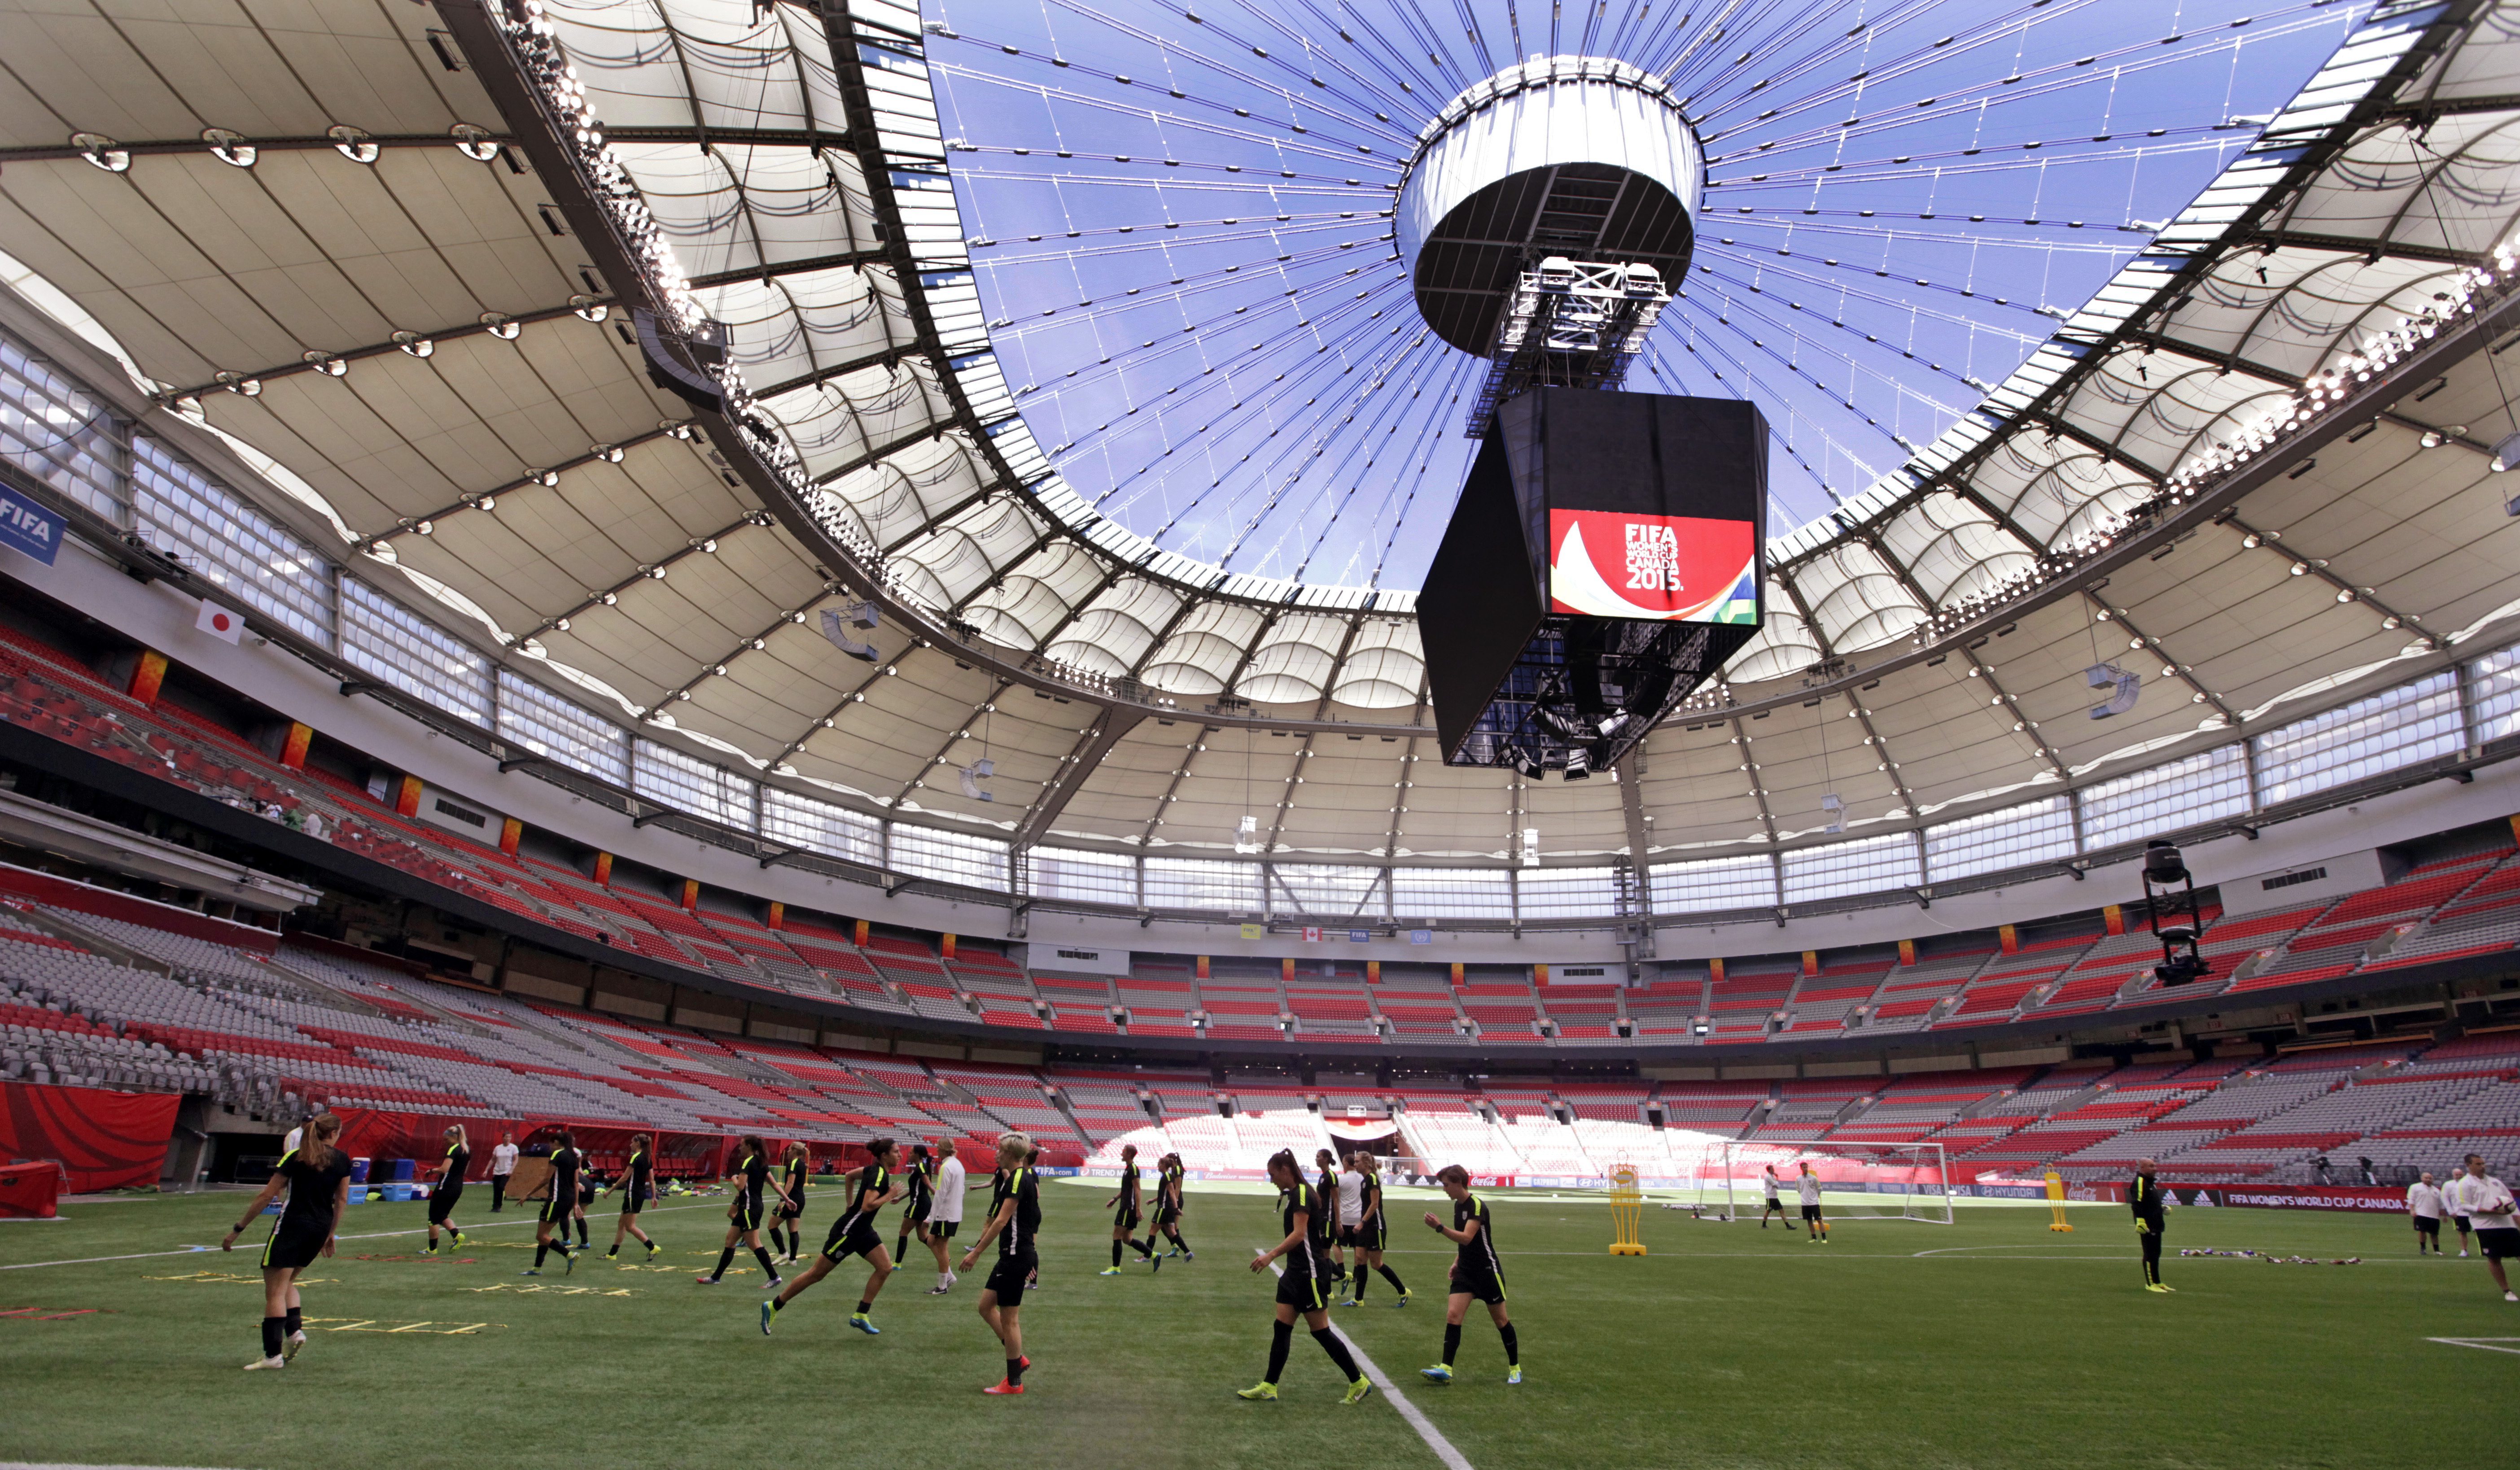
(1858, 1180)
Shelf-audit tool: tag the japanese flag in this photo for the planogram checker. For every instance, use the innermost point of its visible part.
(220, 623)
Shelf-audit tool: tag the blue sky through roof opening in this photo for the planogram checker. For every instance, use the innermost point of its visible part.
(1182, 229)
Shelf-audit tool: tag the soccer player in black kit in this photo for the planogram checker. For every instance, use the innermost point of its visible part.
(1304, 1285)
(566, 1162)
(1168, 1209)
(637, 1185)
(450, 1189)
(854, 1233)
(919, 1184)
(752, 1176)
(1372, 1231)
(1015, 1220)
(2150, 1219)
(1329, 1189)
(317, 1176)
(1478, 1274)
(1125, 1216)
(791, 1209)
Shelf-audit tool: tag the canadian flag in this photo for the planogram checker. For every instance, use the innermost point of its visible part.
(1312, 936)
(220, 623)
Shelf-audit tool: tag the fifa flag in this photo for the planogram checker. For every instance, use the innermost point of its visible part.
(1312, 936)
(1251, 931)
(220, 623)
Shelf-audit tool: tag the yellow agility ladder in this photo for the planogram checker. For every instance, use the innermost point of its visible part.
(1626, 1201)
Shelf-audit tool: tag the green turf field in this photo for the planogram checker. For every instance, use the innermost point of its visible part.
(2003, 1345)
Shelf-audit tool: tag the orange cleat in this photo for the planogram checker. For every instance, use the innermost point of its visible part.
(1004, 1387)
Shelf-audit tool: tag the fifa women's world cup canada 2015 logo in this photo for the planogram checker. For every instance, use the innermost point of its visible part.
(1666, 568)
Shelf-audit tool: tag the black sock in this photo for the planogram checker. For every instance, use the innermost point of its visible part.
(1015, 1371)
(1115, 1253)
(725, 1259)
(1278, 1342)
(581, 1234)
(296, 1323)
(1338, 1353)
(542, 1249)
(273, 1330)
(1145, 1248)
(1392, 1276)
(1512, 1345)
(762, 1256)
(901, 1248)
(1361, 1279)
(1452, 1341)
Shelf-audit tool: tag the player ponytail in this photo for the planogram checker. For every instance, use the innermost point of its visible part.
(315, 1148)
(455, 1135)
(795, 1153)
(880, 1151)
(1285, 1158)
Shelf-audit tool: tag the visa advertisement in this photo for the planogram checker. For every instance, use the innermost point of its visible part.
(1658, 568)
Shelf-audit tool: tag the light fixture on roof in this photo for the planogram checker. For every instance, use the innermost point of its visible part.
(501, 325)
(2507, 453)
(354, 142)
(228, 146)
(238, 384)
(325, 363)
(413, 343)
(2122, 686)
(1530, 848)
(610, 454)
(860, 615)
(474, 141)
(1834, 810)
(589, 307)
(103, 151)
(974, 773)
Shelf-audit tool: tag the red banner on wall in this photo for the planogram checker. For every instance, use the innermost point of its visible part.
(293, 751)
(104, 1140)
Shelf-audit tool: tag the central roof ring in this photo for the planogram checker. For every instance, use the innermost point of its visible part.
(1574, 156)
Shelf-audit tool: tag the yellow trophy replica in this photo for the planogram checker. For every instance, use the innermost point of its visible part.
(1626, 1201)
(2056, 1201)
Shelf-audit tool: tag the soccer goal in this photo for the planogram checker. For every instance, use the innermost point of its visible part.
(1857, 1181)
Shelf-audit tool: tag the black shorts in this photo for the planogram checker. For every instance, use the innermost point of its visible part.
(2424, 1226)
(1167, 1217)
(1006, 1279)
(1484, 1285)
(1349, 1235)
(1305, 1292)
(915, 1216)
(634, 1201)
(941, 1229)
(1811, 1212)
(1125, 1217)
(1774, 1204)
(852, 1234)
(556, 1210)
(1371, 1236)
(295, 1246)
(746, 1215)
(2461, 1221)
(2499, 1244)
(791, 1212)
(441, 1202)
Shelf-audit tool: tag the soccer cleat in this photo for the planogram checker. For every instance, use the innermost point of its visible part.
(1513, 1374)
(936, 1291)
(1026, 1360)
(1404, 1299)
(571, 1257)
(2511, 1296)
(613, 1254)
(535, 1272)
(707, 1280)
(1441, 1372)
(1259, 1393)
(455, 1235)
(1110, 1272)
(859, 1320)
(429, 1250)
(1357, 1390)
(1190, 1255)
(773, 1283)
(2156, 1286)
(1004, 1387)
(1155, 1263)
(767, 1312)
(266, 1363)
(289, 1347)
(1175, 1251)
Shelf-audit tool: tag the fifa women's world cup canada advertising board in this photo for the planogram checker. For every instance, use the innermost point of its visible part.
(1679, 568)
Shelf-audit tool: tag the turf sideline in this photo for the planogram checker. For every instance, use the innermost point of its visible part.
(1453, 1458)
(211, 1250)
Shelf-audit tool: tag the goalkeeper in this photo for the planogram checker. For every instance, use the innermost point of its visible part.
(2150, 1217)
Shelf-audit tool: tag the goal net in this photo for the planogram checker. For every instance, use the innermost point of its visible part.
(1857, 1181)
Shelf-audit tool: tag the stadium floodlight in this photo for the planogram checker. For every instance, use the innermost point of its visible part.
(2170, 893)
(2121, 685)
(1857, 1181)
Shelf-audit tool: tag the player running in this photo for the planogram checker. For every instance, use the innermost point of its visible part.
(791, 1210)
(1303, 1285)
(1015, 1218)
(1125, 1219)
(637, 1182)
(1771, 1188)
(1372, 1231)
(1807, 1189)
(854, 1233)
(317, 1176)
(566, 1162)
(750, 1175)
(1477, 1274)
(450, 1189)
(918, 1182)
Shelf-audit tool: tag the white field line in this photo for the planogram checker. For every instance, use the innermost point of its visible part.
(1453, 1458)
(200, 1250)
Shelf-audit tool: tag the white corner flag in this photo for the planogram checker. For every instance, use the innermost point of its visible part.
(220, 623)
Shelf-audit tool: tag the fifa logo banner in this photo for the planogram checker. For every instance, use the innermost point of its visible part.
(1661, 568)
